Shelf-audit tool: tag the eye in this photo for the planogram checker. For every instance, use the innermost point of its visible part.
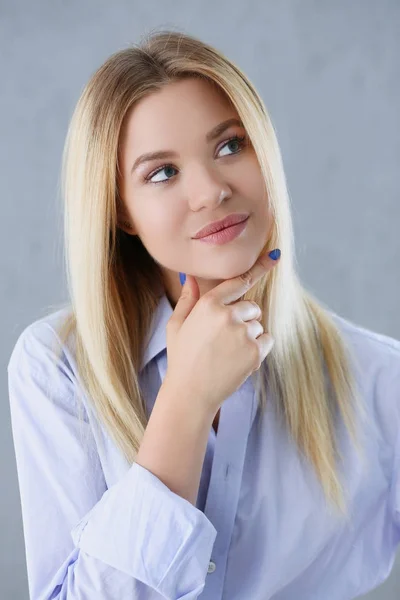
(235, 140)
(150, 178)
(240, 140)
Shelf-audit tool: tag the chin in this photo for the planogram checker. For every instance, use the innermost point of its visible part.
(233, 266)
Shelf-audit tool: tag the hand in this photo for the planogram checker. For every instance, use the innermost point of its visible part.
(214, 342)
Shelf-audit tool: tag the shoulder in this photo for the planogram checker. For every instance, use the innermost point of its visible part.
(377, 361)
(39, 349)
(373, 350)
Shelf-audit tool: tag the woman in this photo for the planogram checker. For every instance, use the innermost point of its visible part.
(261, 460)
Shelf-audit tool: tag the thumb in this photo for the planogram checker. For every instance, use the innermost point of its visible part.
(190, 294)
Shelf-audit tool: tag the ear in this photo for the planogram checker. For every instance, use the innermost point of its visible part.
(125, 223)
(125, 227)
(124, 220)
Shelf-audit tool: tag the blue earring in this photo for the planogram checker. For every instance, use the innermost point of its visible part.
(182, 278)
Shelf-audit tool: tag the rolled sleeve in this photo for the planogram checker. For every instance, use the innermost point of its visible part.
(136, 540)
(147, 531)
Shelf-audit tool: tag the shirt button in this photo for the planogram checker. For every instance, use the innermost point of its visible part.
(211, 566)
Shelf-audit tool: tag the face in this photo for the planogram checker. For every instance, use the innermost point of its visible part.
(204, 178)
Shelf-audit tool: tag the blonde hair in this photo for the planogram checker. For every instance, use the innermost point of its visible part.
(115, 285)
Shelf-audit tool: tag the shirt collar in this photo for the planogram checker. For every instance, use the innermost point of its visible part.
(157, 338)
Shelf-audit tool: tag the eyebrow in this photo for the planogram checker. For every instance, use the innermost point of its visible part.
(211, 135)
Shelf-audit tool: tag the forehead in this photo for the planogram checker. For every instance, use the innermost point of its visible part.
(188, 106)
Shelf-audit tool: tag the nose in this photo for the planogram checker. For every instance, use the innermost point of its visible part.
(207, 190)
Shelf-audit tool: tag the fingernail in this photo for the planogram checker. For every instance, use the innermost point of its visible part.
(182, 278)
(275, 254)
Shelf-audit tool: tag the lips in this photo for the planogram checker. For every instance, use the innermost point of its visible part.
(228, 221)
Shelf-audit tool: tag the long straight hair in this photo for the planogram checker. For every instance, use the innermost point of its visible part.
(115, 285)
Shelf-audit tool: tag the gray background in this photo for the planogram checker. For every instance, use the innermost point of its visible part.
(329, 75)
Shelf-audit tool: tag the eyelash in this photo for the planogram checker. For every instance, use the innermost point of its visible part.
(240, 139)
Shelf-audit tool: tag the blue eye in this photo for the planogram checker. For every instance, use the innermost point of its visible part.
(237, 139)
(164, 168)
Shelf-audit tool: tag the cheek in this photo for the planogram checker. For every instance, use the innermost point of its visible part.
(258, 190)
(158, 224)
(257, 182)
(249, 180)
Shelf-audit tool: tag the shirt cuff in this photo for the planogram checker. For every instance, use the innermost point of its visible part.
(144, 529)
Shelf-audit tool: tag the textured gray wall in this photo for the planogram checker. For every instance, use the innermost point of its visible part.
(329, 74)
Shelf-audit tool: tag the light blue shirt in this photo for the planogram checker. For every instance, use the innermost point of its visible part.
(98, 528)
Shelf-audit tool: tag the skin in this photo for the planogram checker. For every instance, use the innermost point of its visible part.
(206, 181)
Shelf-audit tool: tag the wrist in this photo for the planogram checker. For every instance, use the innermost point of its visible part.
(187, 401)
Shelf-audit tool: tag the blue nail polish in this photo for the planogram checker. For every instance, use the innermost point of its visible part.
(182, 277)
(275, 254)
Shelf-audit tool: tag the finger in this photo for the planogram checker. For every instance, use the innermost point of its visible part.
(186, 301)
(232, 289)
(265, 343)
(244, 310)
(254, 329)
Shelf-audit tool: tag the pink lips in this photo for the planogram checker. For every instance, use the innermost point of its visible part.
(216, 226)
(225, 235)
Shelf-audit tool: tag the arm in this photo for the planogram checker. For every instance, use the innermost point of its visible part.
(175, 441)
(82, 540)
